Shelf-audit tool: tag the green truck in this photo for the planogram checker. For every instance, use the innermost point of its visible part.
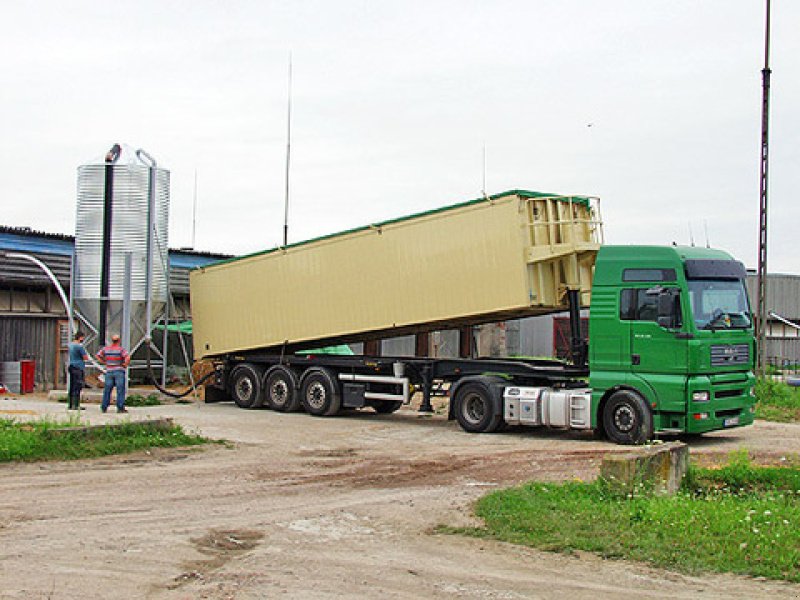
(671, 342)
(670, 347)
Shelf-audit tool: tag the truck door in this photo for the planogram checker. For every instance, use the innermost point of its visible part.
(657, 355)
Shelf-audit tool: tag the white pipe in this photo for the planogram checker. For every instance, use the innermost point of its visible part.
(782, 320)
(59, 289)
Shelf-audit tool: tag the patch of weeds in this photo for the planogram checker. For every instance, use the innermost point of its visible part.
(741, 518)
(777, 401)
(36, 440)
(139, 400)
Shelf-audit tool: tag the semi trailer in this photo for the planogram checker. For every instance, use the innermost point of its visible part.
(670, 347)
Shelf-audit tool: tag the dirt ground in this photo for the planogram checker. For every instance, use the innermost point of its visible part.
(303, 507)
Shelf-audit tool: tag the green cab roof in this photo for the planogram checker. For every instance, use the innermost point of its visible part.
(611, 260)
(582, 200)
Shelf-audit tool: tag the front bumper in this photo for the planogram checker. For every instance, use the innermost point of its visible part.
(730, 404)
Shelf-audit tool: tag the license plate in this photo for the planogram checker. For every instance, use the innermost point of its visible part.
(731, 422)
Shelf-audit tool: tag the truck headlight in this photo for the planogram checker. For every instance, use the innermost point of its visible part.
(700, 396)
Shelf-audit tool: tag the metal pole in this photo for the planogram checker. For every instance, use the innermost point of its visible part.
(194, 210)
(151, 224)
(165, 345)
(125, 334)
(761, 319)
(288, 155)
(105, 267)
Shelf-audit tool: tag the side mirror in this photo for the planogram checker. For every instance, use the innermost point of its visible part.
(669, 308)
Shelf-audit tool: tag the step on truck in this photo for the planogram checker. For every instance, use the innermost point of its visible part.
(670, 347)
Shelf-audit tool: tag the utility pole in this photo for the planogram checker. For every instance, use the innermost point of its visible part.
(762, 316)
(288, 154)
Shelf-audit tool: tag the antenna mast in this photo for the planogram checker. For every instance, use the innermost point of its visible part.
(194, 210)
(483, 186)
(761, 319)
(288, 156)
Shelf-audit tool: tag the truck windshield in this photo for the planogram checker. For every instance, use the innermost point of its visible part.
(719, 304)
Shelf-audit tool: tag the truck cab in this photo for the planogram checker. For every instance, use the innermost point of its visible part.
(671, 342)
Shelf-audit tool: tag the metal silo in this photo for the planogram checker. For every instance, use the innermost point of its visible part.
(120, 267)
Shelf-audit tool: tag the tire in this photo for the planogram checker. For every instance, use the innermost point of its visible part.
(474, 409)
(281, 387)
(385, 407)
(319, 392)
(246, 389)
(627, 418)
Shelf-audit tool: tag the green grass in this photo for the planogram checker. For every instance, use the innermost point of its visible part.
(34, 441)
(776, 401)
(741, 519)
(139, 400)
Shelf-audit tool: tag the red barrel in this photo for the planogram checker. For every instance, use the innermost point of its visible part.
(27, 375)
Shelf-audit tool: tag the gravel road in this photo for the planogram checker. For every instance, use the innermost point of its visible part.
(303, 507)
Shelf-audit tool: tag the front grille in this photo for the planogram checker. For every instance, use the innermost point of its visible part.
(732, 412)
(728, 393)
(730, 354)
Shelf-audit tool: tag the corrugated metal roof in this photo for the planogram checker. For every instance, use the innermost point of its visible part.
(55, 250)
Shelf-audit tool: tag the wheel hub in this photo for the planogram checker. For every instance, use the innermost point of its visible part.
(474, 408)
(244, 388)
(624, 418)
(315, 396)
(278, 392)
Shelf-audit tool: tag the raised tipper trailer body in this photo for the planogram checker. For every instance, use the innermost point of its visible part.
(670, 346)
(511, 255)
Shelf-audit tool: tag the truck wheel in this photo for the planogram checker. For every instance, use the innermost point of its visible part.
(280, 389)
(474, 409)
(246, 387)
(627, 418)
(320, 392)
(385, 407)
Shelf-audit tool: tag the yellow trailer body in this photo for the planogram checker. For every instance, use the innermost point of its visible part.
(507, 256)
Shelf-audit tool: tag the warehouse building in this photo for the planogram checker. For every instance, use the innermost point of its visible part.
(33, 319)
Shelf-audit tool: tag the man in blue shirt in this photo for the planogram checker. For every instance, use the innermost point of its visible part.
(77, 368)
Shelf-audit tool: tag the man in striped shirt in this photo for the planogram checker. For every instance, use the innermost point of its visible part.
(116, 360)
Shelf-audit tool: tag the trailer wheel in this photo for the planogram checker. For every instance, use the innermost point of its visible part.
(246, 387)
(280, 389)
(474, 409)
(385, 407)
(627, 418)
(320, 392)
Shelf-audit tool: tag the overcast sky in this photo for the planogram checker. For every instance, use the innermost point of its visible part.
(654, 106)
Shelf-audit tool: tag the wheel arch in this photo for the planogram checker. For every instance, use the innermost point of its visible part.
(610, 392)
(494, 386)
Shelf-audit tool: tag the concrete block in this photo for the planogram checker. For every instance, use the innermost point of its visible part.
(660, 468)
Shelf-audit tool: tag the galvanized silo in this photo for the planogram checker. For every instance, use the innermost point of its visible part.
(121, 245)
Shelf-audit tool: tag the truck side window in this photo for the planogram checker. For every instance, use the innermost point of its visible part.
(646, 307)
(636, 305)
(627, 305)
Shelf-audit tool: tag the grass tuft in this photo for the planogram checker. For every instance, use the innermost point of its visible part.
(741, 518)
(32, 441)
(777, 401)
(140, 400)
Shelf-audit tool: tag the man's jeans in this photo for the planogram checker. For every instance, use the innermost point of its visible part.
(114, 379)
(75, 386)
